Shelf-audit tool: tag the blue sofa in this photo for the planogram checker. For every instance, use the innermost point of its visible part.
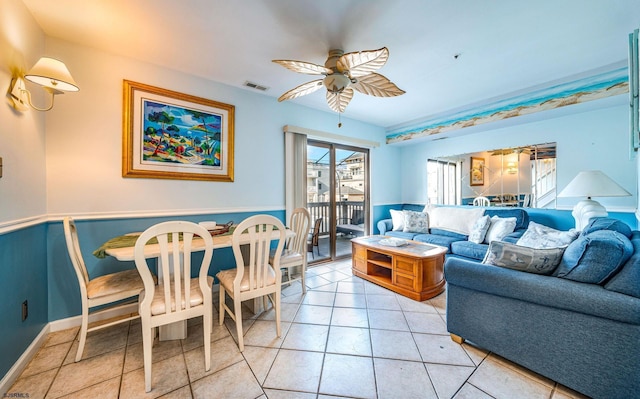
(458, 244)
(579, 326)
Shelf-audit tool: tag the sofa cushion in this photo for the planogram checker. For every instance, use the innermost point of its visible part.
(455, 219)
(500, 228)
(446, 233)
(522, 217)
(627, 280)
(397, 217)
(469, 249)
(436, 239)
(607, 224)
(541, 236)
(401, 234)
(479, 230)
(595, 257)
(417, 222)
(525, 259)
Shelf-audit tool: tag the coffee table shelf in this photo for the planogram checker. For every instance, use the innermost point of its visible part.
(414, 270)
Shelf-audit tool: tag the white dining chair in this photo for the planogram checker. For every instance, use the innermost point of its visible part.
(295, 254)
(177, 296)
(254, 276)
(481, 201)
(107, 291)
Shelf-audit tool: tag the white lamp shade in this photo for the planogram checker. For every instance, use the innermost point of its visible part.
(52, 73)
(593, 183)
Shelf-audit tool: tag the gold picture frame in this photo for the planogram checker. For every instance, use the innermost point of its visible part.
(171, 135)
(476, 172)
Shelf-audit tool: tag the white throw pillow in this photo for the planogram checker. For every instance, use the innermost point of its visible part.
(416, 222)
(499, 229)
(397, 218)
(456, 219)
(479, 230)
(541, 236)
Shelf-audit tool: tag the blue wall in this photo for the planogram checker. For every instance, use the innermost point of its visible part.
(23, 276)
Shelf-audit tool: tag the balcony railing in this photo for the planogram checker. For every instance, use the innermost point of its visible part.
(344, 212)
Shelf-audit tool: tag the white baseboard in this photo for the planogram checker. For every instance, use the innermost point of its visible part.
(22, 362)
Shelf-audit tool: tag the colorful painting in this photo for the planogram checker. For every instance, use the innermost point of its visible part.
(170, 135)
(477, 172)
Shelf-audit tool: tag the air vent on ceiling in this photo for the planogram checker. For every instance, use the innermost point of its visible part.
(255, 86)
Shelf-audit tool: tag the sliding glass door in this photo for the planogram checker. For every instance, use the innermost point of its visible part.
(337, 197)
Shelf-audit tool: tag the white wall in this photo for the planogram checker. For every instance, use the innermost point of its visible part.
(22, 135)
(593, 139)
(84, 143)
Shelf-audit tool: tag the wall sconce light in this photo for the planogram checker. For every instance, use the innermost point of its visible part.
(512, 168)
(49, 73)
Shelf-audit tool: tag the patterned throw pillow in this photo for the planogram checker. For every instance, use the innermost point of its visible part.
(499, 229)
(397, 218)
(479, 230)
(530, 260)
(540, 236)
(416, 222)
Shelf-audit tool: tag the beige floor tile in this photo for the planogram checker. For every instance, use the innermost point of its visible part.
(135, 332)
(402, 379)
(295, 371)
(231, 326)
(166, 376)
(350, 287)
(235, 381)
(61, 336)
(292, 293)
(109, 389)
(409, 305)
(501, 381)
(394, 345)
(346, 375)
(350, 317)
(306, 337)
(350, 300)
(47, 358)
(92, 371)
(468, 391)
(522, 370)
(440, 302)
(326, 288)
(278, 394)
(32, 387)
(224, 353)
(387, 302)
(476, 353)
(260, 360)
(263, 333)
(562, 392)
(316, 281)
(287, 312)
(100, 342)
(313, 314)
(426, 323)
(349, 341)
(441, 349)
(447, 379)
(180, 393)
(387, 320)
(373, 289)
(161, 350)
(335, 276)
(319, 298)
(318, 270)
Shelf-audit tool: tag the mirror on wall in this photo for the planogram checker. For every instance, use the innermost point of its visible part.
(522, 176)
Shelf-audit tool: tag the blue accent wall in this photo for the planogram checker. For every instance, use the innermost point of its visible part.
(23, 276)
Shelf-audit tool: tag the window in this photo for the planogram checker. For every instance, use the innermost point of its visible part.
(442, 182)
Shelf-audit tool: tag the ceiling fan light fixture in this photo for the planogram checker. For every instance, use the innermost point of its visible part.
(336, 82)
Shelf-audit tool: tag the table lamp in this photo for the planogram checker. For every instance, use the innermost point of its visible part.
(591, 183)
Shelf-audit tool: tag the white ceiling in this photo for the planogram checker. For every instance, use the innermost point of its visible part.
(504, 45)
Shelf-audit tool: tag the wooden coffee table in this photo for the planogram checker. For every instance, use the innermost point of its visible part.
(414, 270)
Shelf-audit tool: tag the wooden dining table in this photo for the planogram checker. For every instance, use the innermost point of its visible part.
(124, 251)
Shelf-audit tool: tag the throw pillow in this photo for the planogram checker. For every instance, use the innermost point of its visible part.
(499, 229)
(627, 280)
(479, 230)
(416, 222)
(397, 218)
(607, 224)
(456, 219)
(526, 259)
(595, 257)
(541, 236)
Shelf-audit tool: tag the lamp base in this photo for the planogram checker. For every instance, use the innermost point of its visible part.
(586, 210)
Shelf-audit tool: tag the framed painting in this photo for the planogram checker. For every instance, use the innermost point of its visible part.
(171, 135)
(477, 171)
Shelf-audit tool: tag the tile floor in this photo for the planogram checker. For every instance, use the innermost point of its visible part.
(345, 338)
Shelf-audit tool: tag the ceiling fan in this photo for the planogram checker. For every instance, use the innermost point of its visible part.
(343, 73)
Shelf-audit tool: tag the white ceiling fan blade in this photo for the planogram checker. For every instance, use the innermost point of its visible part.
(302, 90)
(363, 62)
(339, 101)
(304, 67)
(377, 85)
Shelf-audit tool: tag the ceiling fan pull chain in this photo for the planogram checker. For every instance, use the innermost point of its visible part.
(339, 122)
